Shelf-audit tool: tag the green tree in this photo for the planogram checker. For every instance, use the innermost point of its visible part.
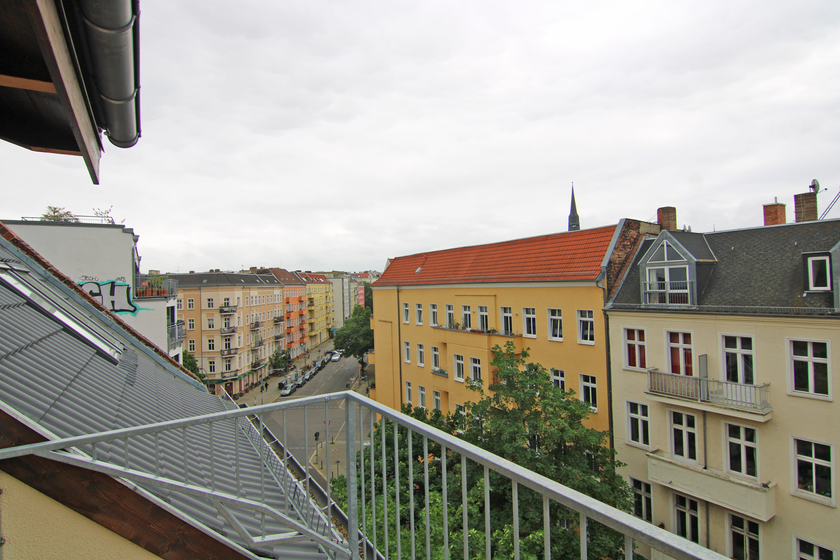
(191, 365)
(58, 214)
(355, 338)
(368, 296)
(280, 360)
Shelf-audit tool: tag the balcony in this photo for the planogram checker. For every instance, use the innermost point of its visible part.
(753, 499)
(475, 338)
(306, 516)
(257, 341)
(256, 363)
(230, 373)
(228, 330)
(751, 402)
(279, 336)
(175, 334)
(229, 351)
(227, 309)
(439, 371)
(147, 287)
(669, 294)
(279, 319)
(255, 325)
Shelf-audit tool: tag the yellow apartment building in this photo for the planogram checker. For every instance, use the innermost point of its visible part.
(722, 368)
(438, 315)
(232, 321)
(319, 307)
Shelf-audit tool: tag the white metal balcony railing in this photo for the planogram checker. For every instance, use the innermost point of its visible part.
(172, 472)
(725, 393)
(175, 334)
(669, 293)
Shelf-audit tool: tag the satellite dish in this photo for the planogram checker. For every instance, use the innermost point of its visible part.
(815, 186)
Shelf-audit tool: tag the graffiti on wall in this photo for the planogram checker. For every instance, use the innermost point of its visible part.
(114, 295)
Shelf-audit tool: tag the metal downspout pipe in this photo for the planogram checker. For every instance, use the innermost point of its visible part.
(114, 37)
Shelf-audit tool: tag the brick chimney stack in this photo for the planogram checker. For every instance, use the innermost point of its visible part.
(805, 207)
(666, 217)
(775, 214)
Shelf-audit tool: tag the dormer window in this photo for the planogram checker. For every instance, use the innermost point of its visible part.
(667, 277)
(819, 273)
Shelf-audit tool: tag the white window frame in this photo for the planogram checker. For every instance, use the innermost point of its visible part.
(799, 554)
(408, 395)
(740, 355)
(406, 312)
(676, 508)
(436, 400)
(418, 314)
(179, 304)
(741, 441)
(686, 360)
(687, 433)
(421, 356)
(506, 314)
(642, 491)
(190, 324)
(421, 396)
(190, 303)
(794, 472)
(638, 414)
(811, 360)
(466, 316)
(589, 391)
(483, 318)
(211, 323)
(407, 352)
(210, 303)
(228, 364)
(435, 357)
(745, 533)
(433, 314)
(450, 315)
(226, 302)
(475, 369)
(555, 319)
(636, 347)
(586, 335)
(810, 266)
(529, 322)
(558, 378)
(211, 366)
(191, 345)
(458, 367)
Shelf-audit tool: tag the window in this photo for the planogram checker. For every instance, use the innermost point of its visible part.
(211, 343)
(407, 352)
(450, 315)
(211, 323)
(227, 343)
(642, 500)
(419, 313)
(680, 353)
(421, 355)
(806, 550)
(809, 367)
(433, 316)
(408, 392)
(686, 518)
(483, 318)
(667, 282)
(226, 302)
(435, 357)
(209, 303)
(405, 313)
(638, 424)
(634, 349)
(211, 366)
(422, 403)
(558, 378)
(684, 436)
(507, 321)
(228, 364)
(191, 345)
(588, 391)
(742, 450)
(459, 367)
(555, 324)
(191, 324)
(475, 369)
(738, 359)
(179, 304)
(190, 303)
(466, 317)
(813, 470)
(461, 416)
(819, 273)
(436, 400)
(743, 538)
(586, 326)
(529, 321)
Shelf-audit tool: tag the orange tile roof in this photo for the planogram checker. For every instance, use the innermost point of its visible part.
(569, 256)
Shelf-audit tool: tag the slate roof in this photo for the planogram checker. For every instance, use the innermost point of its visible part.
(569, 256)
(199, 279)
(755, 267)
(67, 386)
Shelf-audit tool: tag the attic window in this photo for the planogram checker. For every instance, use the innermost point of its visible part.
(667, 279)
(419, 268)
(819, 274)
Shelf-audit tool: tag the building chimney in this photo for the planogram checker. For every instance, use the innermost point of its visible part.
(666, 217)
(775, 214)
(805, 207)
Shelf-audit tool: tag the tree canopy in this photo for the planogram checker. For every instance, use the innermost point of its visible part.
(355, 338)
(58, 214)
(368, 295)
(191, 364)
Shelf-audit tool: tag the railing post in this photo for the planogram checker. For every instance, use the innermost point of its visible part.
(352, 489)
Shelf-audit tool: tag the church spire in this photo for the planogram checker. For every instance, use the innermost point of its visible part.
(574, 219)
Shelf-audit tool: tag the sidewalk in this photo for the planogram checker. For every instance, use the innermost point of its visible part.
(257, 397)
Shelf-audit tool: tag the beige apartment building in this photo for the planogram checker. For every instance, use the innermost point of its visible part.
(234, 323)
(722, 374)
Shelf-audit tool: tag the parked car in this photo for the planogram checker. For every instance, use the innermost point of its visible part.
(335, 357)
(288, 390)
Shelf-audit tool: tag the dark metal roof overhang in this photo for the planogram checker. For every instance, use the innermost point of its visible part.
(69, 70)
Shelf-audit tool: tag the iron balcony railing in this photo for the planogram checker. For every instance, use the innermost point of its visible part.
(371, 530)
(228, 330)
(255, 325)
(724, 393)
(154, 286)
(257, 341)
(669, 293)
(279, 319)
(229, 351)
(175, 334)
(227, 309)
(108, 220)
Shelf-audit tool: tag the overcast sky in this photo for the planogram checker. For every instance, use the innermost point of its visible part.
(332, 135)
